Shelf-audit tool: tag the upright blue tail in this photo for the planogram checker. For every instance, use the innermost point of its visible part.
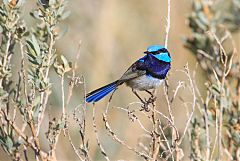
(98, 94)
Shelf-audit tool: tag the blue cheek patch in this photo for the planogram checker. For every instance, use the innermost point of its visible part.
(142, 59)
(163, 57)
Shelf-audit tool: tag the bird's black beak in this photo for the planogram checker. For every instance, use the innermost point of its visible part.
(145, 52)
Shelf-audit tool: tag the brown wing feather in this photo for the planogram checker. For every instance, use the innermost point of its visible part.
(132, 73)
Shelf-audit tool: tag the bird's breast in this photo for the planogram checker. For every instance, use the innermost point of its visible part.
(144, 82)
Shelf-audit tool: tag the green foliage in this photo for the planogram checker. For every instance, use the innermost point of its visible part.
(24, 97)
(29, 96)
(211, 24)
(63, 66)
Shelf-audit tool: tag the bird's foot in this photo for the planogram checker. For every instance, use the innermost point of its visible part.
(146, 103)
(145, 107)
(152, 99)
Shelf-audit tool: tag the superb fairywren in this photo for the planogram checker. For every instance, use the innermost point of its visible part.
(146, 73)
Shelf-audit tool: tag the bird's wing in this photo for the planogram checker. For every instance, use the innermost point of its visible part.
(132, 72)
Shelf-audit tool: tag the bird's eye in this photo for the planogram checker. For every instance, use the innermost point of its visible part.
(155, 52)
(163, 50)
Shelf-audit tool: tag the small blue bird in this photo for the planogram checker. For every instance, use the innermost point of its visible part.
(146, 73)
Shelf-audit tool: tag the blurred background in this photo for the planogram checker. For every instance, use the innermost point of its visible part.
(113, 35)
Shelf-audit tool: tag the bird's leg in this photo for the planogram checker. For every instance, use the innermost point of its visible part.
(145, 104)
(138, 96)
(152, 98)
(149, 92)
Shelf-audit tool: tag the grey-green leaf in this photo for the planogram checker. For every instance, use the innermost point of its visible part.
(9, 143)
(36, 45)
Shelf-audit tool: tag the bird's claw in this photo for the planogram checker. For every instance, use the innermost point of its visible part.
(152, 99)
(146, 102)
(145, 106)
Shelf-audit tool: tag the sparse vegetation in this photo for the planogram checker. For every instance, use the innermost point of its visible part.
(30, 129)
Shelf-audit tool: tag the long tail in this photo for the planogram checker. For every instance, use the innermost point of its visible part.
(99, 93)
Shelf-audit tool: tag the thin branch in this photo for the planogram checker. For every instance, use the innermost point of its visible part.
(6, 55)
(63, 98)
(44, 95)
(205, 54)
(72, 83)
(192, 89)
(222, 94)
(216, 130)
(142, 111)
(166, 140)
(134, 117)
(168, 104)
(114, 137)
(168, 23)
(34, 146)
(155, 136)
(73, 146)
(97, 137)
(180, 85)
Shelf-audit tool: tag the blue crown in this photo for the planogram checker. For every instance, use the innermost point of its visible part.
(154, 48)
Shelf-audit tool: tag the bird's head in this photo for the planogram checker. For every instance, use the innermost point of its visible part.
(159, 52)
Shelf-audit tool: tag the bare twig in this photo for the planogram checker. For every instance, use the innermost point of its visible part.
(206, 121)
(180, 85)
(192, 89)
(133, 118)
(73, 146)
(35, 146)
(205, 54)
(166, 140)
(216, 130)
(5, 62)
(155, 136)
(63, 98)
(45, 94)
(116, 138)
(72, 83)
(168, 104)
(97, 137)
(222, 93)
(168, 23)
